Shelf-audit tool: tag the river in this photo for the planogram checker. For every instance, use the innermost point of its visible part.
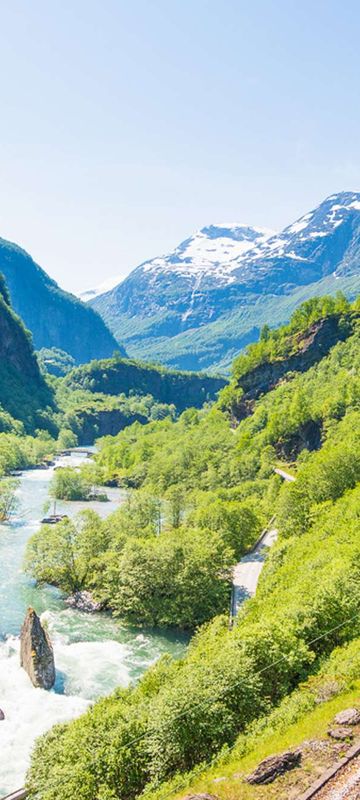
(93, 653)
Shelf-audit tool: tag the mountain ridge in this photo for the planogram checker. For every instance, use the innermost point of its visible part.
(162, 311)
(55, 317)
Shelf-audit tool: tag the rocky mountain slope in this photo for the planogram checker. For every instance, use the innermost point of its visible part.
(54, 317)
(103, 397)
(198, 306)
(116, 376)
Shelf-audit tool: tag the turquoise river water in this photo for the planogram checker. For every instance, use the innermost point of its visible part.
(93, 653)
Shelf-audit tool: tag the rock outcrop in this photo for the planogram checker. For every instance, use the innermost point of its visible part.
(310, 348)
(84, 601)
(36, 653)
(341, 733)
(350, 716)
(2, 715)
(200, 797)
(274, 766)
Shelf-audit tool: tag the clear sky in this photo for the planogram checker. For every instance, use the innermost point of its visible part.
(127, 124)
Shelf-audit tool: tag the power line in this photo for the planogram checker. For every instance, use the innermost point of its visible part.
(184, 784)
(229, 688)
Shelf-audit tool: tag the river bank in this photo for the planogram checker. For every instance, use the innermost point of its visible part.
(93, 653)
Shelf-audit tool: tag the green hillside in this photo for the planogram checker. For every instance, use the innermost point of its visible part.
(117, 375)
(103, 397)
(24, 393)
(214, 345)
(206, 485)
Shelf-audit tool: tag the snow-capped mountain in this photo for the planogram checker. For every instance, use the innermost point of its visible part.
(307, 240)
(182, 302)
(210, 252)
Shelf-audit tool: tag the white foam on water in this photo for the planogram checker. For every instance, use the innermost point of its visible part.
(84, 671)
(29, 712)
(93, 652)
(86, 667)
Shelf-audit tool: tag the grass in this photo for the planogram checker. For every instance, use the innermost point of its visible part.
(226, 778)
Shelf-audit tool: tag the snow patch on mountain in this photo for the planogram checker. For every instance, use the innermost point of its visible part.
(227, 253)
(292, 242)
(106, 286)
(211, 251)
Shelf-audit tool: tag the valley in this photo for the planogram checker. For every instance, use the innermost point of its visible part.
(180, 400)
(200, 489)
(163, 529)
(93, 653)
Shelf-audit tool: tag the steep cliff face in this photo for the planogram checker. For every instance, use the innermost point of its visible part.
(311, 346)
(23, 391)
(104, 423)
(54, 317)
(114, 376)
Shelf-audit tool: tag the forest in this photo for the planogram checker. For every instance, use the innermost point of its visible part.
(199, 490)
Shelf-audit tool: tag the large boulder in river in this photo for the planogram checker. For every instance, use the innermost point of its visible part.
(36, 653)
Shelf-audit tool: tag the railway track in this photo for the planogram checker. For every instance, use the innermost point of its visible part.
(345, 785)
(341, 782)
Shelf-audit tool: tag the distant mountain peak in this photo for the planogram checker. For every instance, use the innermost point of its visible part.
(199, 304)
(210, 251)
(89, 294)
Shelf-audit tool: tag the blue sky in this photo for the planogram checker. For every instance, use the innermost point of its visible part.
(128, 124)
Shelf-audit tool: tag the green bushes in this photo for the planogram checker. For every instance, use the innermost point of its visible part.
(69, 484)
(205, 492)
(324, 477)
(63, 554)
(188, 710)
(238, 523)
(178, 578)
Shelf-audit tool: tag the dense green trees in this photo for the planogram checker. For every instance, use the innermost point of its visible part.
(18, 452)
(63, 554)
(178, 577)
(202, 489)
(238, 523)
(145, 571)
(8, 499)
(69, 484)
